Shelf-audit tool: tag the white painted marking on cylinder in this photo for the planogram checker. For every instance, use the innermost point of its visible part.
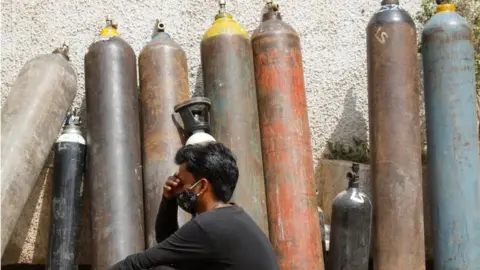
(382, 38)
(75, 138)
(389, 7)
(358, 196)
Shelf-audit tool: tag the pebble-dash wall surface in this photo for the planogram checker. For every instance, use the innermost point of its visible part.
(332, 35)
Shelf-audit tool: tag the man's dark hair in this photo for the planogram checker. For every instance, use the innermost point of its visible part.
(213, 161)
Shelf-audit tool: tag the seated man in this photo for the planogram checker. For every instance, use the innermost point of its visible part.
(220, 235)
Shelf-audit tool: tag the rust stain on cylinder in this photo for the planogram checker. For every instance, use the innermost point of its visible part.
(398, 233)
(228, 78)
(163, 84)
(287, 155)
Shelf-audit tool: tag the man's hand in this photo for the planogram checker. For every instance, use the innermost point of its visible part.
(171, 187)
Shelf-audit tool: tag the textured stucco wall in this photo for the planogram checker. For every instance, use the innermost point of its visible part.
(334, 54)
(332, 34)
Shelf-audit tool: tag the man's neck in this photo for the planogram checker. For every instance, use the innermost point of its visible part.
(212, 205)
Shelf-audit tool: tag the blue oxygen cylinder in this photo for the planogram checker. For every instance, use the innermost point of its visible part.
(452, 139)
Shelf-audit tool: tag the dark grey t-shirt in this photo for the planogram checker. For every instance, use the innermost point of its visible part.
(225, 238)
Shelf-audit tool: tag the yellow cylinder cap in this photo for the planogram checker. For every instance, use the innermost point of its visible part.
(110, 29)
(224, 24)
(445, 8)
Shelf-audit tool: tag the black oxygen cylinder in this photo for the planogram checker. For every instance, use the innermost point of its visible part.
(351, 227)
(67, 196)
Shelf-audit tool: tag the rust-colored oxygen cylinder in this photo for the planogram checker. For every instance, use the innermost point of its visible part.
(286, 146)
(229, 83)
(393, 99)
(114, 171)
(32, 118)
(163, 74)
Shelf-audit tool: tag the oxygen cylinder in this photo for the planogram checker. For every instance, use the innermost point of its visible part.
(229, 83)
(67, 196)
(195, 114)
(163, 83)
(114, 158)
(32, 117)
(453, 153)
(351, 227)
(285, 137)
(393, 100)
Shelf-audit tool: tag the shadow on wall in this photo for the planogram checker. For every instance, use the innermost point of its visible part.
(351, 122)
(82, 112)
(198, 91)
(338, 148)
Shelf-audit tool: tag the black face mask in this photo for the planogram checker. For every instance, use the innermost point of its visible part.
(187, 200)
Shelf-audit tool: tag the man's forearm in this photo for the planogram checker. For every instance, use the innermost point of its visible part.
(187, 243)
(164, 253)
(132, 262)
(166, 222)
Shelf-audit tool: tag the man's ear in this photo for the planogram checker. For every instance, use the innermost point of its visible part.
(203, 186)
